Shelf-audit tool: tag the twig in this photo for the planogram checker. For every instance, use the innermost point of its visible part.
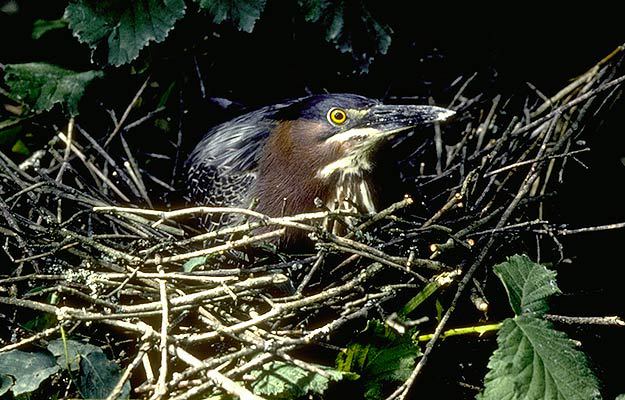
(564, 232)
(39, 335)
(218, 249)
(535, 160)
(161, 383)
(218, 379)
(143, 349)
(612, 321)
(93, 168)
(120, 123)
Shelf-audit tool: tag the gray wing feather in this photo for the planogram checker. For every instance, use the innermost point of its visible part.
(222, 167)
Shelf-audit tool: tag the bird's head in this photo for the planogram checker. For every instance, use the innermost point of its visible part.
(343, 131)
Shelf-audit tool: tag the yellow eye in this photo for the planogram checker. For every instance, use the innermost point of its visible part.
(337, 116)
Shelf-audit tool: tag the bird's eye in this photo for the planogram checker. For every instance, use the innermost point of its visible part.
(337, 116)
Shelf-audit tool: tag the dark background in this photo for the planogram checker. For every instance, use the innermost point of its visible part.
(432, 46)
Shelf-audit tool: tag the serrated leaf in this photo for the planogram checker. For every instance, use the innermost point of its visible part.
(388, 365)
(535, 361)
(25, 370)
(353, 358)
(42, 26)
(242, 13)
(122, 28)
(350, 27)
(98, 377)
(528, 284)
(280, 380)
(381, 355)
(75, 350)
(42, 85)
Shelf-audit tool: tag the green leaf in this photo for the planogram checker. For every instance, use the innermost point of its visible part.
(75, 351)
(439, 309)
(41, 322)
(379, 357)
(242, 13)
(20, 147)
(350, 27)
(620, 397)
(41, 27)
(535, 361)
(428, 290)
(193, 263)
(41, 85)
(25, 370)
(280, 380)
(389, 364)
(122, 28)
(9, 135)
(353, 358)
(98, 377)
(528, 284)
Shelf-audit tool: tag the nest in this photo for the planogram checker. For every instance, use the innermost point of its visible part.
(203, 309)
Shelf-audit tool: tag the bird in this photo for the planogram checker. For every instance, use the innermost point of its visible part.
(292, 157)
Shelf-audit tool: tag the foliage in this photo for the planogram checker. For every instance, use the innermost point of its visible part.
(350, 27)
(242, 13)
(379, 356)
(41, 27)
(280, 380)
(98, 376)
(41, 86)
(122, 28)
(22, 371)
(533, 360)
(95, 375)
(528, 284)
(68, 353)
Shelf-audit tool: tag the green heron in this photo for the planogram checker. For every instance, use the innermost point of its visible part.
(284, 156)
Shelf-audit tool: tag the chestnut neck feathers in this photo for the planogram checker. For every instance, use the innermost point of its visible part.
(289, 165)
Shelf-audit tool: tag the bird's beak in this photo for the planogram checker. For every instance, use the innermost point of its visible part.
(389, 119)
(383, 120)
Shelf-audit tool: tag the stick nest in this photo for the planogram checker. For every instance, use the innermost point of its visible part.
(202, 309)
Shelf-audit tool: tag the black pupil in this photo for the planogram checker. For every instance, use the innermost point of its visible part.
(338, 115)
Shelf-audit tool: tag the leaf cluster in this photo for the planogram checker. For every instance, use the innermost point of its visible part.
(95, 376)
(533, 359)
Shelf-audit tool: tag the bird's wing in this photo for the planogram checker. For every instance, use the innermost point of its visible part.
(210, 184)
(222, 167)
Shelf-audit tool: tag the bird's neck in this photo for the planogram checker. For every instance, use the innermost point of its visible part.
(293, 176)
(352, 193)
(289, 185)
